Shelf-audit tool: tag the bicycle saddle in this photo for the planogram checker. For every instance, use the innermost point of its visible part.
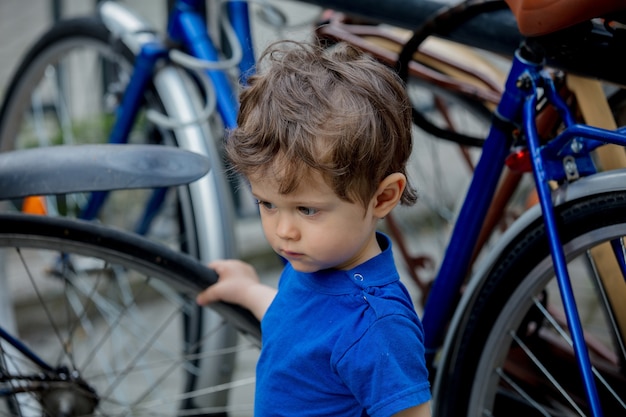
(540, 17)
(84, 168)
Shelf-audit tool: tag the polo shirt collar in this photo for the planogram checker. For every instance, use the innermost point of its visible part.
(375, 272)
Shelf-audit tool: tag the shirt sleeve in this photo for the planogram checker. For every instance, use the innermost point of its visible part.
(385, 369)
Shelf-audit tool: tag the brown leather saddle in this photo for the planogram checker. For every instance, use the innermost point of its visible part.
(540, 17)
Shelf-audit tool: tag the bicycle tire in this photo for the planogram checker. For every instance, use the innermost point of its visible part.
(106, 289)
(441, 23)
(509, 331)
(197, 218)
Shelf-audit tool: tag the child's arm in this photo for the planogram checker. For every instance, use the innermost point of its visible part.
(422, 410)
(238, 284)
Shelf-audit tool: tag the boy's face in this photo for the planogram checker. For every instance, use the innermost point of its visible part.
(312, 227)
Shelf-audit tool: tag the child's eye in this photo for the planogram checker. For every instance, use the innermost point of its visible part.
(307, 211)
(265, 204)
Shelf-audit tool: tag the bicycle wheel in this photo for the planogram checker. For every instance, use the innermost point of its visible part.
(105, 318)
(513, 354)
(67, 90)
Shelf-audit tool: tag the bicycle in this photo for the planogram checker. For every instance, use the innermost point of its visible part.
(102, 292)
(42, 108)
(457, 82)
(140, 76)
(527, 314)
(509, 346)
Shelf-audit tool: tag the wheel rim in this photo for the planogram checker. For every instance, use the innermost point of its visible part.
(513, 371)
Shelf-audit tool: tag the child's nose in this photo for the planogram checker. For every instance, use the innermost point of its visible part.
(286, 227)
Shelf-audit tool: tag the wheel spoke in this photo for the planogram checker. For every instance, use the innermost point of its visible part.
(563, 333)
(544, 370)
(606, 306)
(522, 393)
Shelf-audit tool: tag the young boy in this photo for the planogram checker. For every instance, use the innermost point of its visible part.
(323, 137)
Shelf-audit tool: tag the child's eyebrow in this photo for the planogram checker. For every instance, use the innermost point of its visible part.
(296, 202)
(257, 196)
(311, 203)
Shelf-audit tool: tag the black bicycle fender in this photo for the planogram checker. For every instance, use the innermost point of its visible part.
(83, 168)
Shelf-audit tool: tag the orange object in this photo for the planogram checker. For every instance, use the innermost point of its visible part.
(34, 205)
(540, 17)
(532, 199)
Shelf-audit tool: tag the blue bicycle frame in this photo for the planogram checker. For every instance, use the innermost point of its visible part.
(549, 163)
(186, 27)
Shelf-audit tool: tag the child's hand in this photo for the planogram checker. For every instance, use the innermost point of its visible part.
(238, 283)
(235, 277)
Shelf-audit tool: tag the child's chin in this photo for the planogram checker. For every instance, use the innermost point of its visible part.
(303, 267)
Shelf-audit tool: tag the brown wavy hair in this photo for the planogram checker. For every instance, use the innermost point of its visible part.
(336, 111)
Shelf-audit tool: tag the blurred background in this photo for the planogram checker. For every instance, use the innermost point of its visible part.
(22, 21)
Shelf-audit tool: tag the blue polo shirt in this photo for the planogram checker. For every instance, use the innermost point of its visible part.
(342, 343)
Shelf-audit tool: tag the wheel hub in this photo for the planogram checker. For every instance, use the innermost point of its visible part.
(68, 399)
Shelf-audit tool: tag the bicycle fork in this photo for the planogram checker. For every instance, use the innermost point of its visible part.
(542, 176)
(567, 157)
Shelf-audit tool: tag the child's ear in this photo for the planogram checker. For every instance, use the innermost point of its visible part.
(388, 194)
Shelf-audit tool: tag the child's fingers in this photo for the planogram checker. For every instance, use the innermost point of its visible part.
(206, 297)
